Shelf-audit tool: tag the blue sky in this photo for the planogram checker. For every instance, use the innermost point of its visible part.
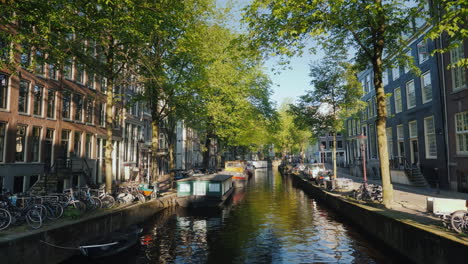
(291, 82)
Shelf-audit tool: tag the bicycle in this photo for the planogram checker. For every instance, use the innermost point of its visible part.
(107, 200)
(369, 192)
(459, 221)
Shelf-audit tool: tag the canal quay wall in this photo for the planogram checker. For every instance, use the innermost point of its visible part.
(419, 243)
(27, 247)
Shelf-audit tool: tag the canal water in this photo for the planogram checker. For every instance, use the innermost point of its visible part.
(269, 221)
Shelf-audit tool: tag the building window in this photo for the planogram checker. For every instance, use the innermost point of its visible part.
(66, 105)
(77, 144)
(39, 61)
(461, 129)
(368, 83)
(78, 107)
(90, 80)
(423, 51)
(396, 73)
(102, 115)
(89, 110)
(68, 69)
(36, 144)
(385, 77)
(89, 146)
(23, 100)
(413, 129)
(426, 87)
(429, 133)
(51, 104)
(407, 67)
(20, 143)
(371, 109)
(37, 93)
(79, 73)
(374, 106)
(3, 91)
(64, 143)
(401, 142)
(103, 84)
(4, 50)
(52, 72)
(389, 105)
(390, 142)
(18, 184)
(458, 73)
(398, 102)
(3, 130)
(25, 57)
(410, 95)
(49, 146)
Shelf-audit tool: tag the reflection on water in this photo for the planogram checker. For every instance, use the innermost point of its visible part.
(269, 221)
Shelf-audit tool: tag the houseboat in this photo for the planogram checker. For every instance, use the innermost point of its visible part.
(239, 172)
(204, 190)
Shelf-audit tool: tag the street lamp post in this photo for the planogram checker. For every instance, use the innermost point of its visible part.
(362, 141)
(322, 157)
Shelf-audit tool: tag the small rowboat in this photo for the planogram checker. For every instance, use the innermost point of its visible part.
(113, 244)
(148, 190)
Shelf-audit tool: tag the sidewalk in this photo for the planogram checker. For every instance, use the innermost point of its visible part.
(409, 197)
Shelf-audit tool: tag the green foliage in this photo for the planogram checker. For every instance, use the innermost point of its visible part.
(449, 19)
(335, 96)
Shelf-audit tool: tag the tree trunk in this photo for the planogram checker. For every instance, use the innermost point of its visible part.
(155, 149)
(206, 153)
(334, 155)
(170, 149)
(381, 126)
(109, 128)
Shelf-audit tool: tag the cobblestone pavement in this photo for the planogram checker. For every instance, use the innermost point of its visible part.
(411, 199)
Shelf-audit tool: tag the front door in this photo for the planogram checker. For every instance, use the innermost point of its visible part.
(414, 152)
(199, 188)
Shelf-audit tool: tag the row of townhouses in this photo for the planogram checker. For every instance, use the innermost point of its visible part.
(52, 126)
(427, 121)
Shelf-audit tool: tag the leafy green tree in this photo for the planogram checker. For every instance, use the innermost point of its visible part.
(335, 96)
(449, 19)
(290, 138)
(370, 27)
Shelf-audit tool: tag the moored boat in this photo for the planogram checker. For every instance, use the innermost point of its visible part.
(205, 190)
(238, 171)
(112, 244)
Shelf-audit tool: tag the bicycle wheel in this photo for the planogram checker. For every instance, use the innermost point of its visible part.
(79, 205)
(5, 218)
(34, 218)
(141, 198)
(97, 202)
(43, 210)
(107, 201)
(55, 211)
(458, 220)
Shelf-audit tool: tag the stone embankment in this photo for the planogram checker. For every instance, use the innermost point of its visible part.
(29, 247)
(419, 239)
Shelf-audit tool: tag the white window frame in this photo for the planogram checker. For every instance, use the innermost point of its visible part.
(423, 51)
(408, 100)
(384, 77)
(461, 130)
(426, 137)
(5, 140)
(413, 134)
(396, 73)
(458, 73)
(388, 104)
(407, 67)
(398, 100)
(424, 86)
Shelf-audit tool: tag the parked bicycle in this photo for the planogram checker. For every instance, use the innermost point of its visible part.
(107, 200)
(369, 192)
(459, 221)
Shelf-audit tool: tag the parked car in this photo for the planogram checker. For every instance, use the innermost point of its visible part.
(311, 171)
(298, 169)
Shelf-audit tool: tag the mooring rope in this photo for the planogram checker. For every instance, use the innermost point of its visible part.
(80, 247)
(52, 245)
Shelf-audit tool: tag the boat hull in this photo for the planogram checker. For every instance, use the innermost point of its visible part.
(196, 201)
